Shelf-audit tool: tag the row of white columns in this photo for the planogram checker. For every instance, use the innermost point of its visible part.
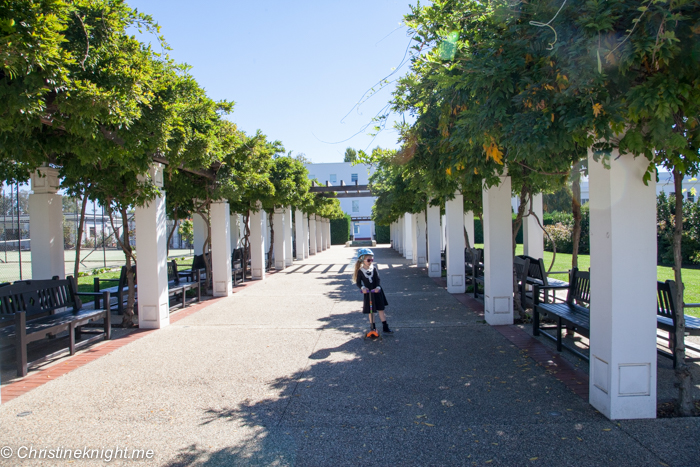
(46, 224)
(623, 280)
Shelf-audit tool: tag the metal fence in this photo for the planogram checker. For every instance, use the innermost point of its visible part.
(99, 246)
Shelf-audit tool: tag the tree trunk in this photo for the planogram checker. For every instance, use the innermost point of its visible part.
(128, 318)
(518, 222)
(272, 240)
(684, 378)
(206, 246)
(170, 237)
(79, 239)
(576, 209)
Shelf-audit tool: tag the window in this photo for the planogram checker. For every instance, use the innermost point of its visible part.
(333, 178)
(92, 232)
(353, 178)
(312, 176)
(691, 197)
(356, 229)
(355, 206)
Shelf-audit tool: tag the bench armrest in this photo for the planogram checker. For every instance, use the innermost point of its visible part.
(556, 272)
(691, 305)
(96, 296)
(536, 291)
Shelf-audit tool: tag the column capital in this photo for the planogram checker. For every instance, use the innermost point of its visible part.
(280, 210)
(45, 180)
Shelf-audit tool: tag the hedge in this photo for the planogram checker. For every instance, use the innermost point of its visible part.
(382, 233)
(340, 230)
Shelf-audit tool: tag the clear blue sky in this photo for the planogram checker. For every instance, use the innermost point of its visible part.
(294, 69)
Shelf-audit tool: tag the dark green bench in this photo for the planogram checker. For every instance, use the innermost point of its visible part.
(666, 319)
(33, 310)
(573, 313)
(176, 288)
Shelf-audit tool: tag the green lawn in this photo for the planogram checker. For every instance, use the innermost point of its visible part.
(691, 277)
(85, 283)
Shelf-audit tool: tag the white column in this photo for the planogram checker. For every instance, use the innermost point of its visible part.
(221, 248)
(443, 226)
(299, 227)
(312, 234)
(151, 238)
(288, 253)
(454, 231)
(328, 237)
(420, 246)
(199, 232)
(623, 288)
(257, 244)
(278, 225)
(409, 236)
(533, 236)
(305, 221)
(319, 234)
(498, 254)
(391, 235)
(399, 235)
(434, 235)
(266, 230)
(235, 227)
(469, 225)
(46, 225)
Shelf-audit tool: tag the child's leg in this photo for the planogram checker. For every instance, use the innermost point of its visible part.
(385, 326)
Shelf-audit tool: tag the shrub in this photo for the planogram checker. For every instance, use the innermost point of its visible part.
(382, 233)
(340, 230)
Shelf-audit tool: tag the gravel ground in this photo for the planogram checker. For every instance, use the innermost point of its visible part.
(278, 374)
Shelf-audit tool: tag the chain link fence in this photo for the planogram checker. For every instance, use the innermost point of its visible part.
(99, 246)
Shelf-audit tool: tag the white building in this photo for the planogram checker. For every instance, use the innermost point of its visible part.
(691, 188)
(359, 209)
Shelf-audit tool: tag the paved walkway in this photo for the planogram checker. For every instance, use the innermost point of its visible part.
(278, 374)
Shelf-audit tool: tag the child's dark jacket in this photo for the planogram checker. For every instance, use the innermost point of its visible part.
(378, 299)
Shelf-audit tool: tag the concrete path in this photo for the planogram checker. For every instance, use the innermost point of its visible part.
(278, 374)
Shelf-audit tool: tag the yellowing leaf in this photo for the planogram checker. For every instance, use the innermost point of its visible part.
(492, 152)
(597, 108)
(534, 458)
(448, 171)
(552, 117)
(428, 424)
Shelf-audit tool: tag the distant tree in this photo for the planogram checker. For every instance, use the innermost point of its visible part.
(560, 200)
(350, 155)
(186, 230)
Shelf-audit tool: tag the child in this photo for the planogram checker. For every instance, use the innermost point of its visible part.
(366, 276)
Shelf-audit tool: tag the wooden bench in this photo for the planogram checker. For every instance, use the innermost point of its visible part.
(476, 268)
(237, 265)
(120, 290)
(198, 267)
(538, 275)
(32, 310)
(176, 287)
(521, 268)
(571, 314)
(666, 319)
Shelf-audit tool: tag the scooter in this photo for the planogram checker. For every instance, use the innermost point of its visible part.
(373, 333)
